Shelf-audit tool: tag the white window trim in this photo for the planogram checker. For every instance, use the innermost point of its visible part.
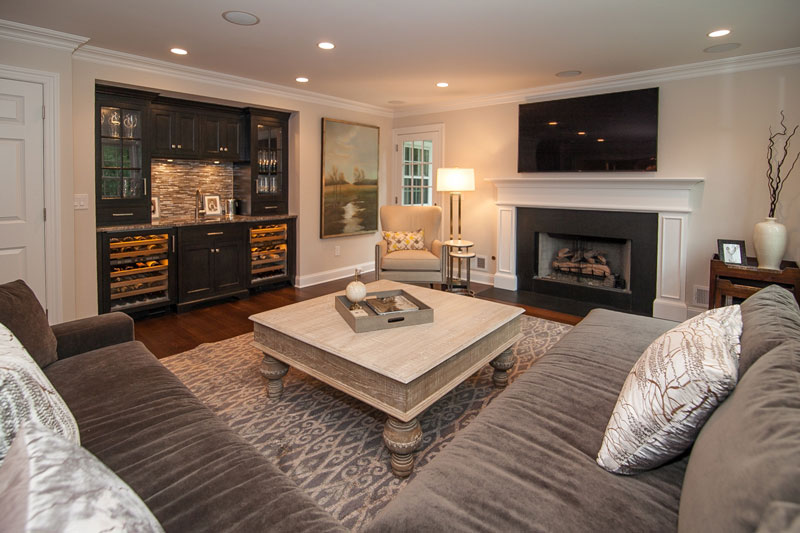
(395, 186)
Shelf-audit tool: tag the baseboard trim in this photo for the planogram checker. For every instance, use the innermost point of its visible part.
(694, 310)
(309, 280)
(669, 309)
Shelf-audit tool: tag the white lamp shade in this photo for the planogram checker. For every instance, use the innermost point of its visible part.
(455, 179)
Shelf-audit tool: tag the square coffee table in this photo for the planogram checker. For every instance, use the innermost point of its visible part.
(400, 371)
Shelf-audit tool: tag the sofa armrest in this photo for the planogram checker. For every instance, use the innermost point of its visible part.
(86, 334)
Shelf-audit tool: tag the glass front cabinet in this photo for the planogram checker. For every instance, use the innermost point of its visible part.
(121, 157)
(262, 183)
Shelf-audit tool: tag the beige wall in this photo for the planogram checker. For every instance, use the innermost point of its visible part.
(713, 127)
(59, 62)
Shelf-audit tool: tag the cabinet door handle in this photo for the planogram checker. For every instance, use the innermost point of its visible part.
(173, 244)
(121, 214)
(210, 233)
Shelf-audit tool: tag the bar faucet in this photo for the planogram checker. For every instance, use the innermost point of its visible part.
(198, 206)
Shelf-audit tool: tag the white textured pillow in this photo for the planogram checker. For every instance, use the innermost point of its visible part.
(27, 394)
(671, 391)
(50, 484)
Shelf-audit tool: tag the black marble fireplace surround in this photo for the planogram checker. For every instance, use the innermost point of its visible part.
(640, 228)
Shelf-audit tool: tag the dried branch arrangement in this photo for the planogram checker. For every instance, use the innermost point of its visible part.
(775, 162)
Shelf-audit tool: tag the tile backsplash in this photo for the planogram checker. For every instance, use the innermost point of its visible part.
(174, 184)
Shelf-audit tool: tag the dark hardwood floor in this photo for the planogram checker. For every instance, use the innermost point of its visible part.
(171, 333)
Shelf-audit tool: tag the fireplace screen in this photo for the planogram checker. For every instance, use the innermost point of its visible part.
(591, 261)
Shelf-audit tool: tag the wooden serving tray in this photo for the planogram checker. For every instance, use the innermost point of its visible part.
(374, 321)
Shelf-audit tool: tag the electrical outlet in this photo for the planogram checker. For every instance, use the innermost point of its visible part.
(700, 295)
(337, 251)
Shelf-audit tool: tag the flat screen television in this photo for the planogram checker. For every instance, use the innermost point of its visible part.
(599, 133)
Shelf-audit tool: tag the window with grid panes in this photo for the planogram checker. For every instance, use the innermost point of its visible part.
(417, 186)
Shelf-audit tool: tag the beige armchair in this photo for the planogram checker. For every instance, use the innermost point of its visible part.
(411, 266)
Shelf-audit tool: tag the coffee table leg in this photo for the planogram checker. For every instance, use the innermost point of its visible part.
(502, 364)
(402, 438)
(273, 370)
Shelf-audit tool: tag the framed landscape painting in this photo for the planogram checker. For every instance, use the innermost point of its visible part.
(349, 202)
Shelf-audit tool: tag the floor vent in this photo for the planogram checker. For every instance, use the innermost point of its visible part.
(480, 262)
(701, 295)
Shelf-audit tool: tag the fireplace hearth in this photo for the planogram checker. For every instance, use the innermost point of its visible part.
(580, 257)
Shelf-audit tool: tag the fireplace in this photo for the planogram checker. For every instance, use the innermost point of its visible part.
(578, 257)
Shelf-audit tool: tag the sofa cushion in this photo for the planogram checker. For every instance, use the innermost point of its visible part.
(671, 391)
(50, 484)
(769, 317)
(410, 260)
(192, 471)
(748, 453)
(26, 394)
(527, 461)
(22, 313)
(404, 240)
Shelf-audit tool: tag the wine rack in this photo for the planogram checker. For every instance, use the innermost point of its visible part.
(268, 253)
(136, 271)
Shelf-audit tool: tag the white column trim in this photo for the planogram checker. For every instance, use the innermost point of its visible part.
(506, 275)
(670, 302)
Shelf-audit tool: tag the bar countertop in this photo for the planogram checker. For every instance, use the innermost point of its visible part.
(175, 222)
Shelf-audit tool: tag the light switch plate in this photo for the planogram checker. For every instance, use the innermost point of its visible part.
(81, 201)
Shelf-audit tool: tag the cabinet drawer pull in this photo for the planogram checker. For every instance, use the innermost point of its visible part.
(210, 233)
(196, 290)
(270, 207)
(121, 214)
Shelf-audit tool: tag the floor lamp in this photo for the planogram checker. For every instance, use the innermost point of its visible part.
(455, 181)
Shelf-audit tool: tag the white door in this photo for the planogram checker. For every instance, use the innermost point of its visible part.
(22, 231)
(417, 156)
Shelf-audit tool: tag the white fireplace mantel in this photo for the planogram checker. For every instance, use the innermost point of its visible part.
(672, 198)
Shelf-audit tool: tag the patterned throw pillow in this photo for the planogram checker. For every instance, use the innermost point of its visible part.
(404, 240)
(671, 391)
(26, 394)
(49, 484)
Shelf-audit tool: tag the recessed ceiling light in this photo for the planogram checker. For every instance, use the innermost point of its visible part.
(552, 123)
(717, 48)
(568, 73)
(326, 46)
(178, 51)
(581, 133)
(442, 84)
(301, 79)
(241, 18)
(719, 33)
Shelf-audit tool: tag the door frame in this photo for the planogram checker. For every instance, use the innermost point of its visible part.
(50, 82)
(395, 186)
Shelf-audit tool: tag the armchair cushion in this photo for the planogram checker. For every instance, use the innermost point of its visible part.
(22, 313)
(405, 240)
(410, 260)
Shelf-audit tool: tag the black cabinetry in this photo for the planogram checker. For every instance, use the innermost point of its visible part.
(262, 184)
(175, 132)
(211, 262)
(221, 136)
(137, 270)
(122, 159)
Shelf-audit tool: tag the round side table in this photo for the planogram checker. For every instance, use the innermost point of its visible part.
(458, 250)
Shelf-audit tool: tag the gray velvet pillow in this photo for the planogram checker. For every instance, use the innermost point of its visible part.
(748, 453)
(769, 317)
(49, 484)
(22, 313)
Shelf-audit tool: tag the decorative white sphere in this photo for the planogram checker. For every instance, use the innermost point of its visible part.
(356, 291)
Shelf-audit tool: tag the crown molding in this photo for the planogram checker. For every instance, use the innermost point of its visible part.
(777, 58)
(124, 60)
(33, 35)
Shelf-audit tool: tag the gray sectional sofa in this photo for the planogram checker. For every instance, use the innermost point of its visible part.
(526, 463)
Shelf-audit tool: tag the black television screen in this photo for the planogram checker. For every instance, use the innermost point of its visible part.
(599, 133)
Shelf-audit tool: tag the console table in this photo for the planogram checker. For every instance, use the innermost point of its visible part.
(741, 281)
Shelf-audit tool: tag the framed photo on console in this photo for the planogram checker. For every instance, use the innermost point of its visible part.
(732, 252)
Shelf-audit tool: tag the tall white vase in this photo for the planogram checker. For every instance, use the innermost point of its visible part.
(770, 238)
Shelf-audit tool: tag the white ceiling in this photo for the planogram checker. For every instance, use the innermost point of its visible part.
(397, 50)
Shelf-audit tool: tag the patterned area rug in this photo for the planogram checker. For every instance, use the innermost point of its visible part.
(330, 444)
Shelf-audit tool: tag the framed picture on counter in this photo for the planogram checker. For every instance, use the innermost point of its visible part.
(155, 210)
(732, 252)
(212, 204)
